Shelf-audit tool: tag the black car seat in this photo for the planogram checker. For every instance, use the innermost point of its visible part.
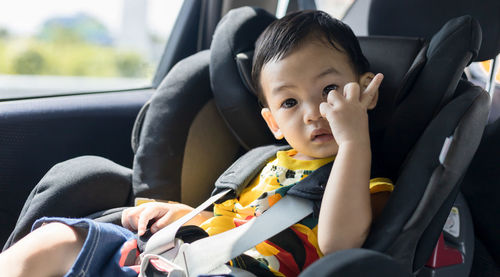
(417, 111)
(182, 143)
(481, 184)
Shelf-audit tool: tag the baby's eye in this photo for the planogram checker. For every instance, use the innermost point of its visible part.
(327, 89)
(288, 103)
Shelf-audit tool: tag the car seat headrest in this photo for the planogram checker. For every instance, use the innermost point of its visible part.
(393, 57)
(428, 85)
(230, 52)
(423, 18)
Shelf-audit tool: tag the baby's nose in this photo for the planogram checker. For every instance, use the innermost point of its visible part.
(312, 113)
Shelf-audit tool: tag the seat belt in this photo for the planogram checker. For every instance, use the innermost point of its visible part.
(163, 240)
(207, 254)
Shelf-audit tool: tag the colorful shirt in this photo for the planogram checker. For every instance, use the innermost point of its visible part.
(292, 250)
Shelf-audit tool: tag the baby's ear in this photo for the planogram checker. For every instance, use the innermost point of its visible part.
(364, 81)
(271, 123)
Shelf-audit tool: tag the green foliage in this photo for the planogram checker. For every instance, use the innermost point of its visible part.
(77, 45)
(130, 65)
(4, 33)
(60, 34)
(77, 28)
(30, 61)
(29, 56)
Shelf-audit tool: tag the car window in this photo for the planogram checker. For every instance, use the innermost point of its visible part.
(58, 46)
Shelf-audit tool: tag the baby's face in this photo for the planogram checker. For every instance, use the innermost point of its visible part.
(295, 86)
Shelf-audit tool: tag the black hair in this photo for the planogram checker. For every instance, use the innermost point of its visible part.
(282, 36)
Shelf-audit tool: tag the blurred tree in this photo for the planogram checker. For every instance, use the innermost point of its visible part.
(75, 29)
(29, 62)
(4, 33)
(130, 65)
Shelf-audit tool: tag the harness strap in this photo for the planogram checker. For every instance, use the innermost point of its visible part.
(207, 254)
(163, 240)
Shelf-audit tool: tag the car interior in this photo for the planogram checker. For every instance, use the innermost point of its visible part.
(430, 132)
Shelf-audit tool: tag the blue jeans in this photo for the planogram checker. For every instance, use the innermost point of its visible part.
(101, 251)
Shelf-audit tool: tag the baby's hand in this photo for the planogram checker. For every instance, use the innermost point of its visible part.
(347, 113)
(137, 218)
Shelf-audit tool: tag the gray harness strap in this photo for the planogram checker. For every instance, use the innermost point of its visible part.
(244, 170)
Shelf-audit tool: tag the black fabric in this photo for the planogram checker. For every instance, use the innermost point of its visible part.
(136, 130)
(290, 242)
(467, 137)
(394, 57)
(425, 183)
(75, 188)
(424, 249)
(244, 170)
(157, 163)
(314, 185)
(113, 215)
(356, 262)
(236, 33)
(450, 50)
(251, 264)
(481, 188)
(244, 64)
(423, 18)
(187, 233)
(483, 264)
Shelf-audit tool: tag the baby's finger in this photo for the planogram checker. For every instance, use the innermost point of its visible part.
(324, 108)
(129, 217)
(371, 89)
(162, 222)
(125, 221)
(334, 96)
(352, 91)
(148, 214)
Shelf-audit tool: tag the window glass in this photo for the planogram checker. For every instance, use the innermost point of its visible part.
(60, 46)
(336, 8)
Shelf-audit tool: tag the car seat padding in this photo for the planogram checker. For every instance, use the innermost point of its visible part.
(175, 104)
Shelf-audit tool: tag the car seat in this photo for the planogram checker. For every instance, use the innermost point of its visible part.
(184, 129)
(481, 183)
(413, 101)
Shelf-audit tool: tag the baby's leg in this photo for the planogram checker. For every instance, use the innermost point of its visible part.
(49, 250)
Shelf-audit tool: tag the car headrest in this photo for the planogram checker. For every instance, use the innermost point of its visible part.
(234, 36)
(427, 86)
(423, 18)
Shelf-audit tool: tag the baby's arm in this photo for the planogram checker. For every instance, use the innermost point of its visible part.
(137, 218)
(346, 213)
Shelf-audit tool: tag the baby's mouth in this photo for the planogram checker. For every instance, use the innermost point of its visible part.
(321, 135)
